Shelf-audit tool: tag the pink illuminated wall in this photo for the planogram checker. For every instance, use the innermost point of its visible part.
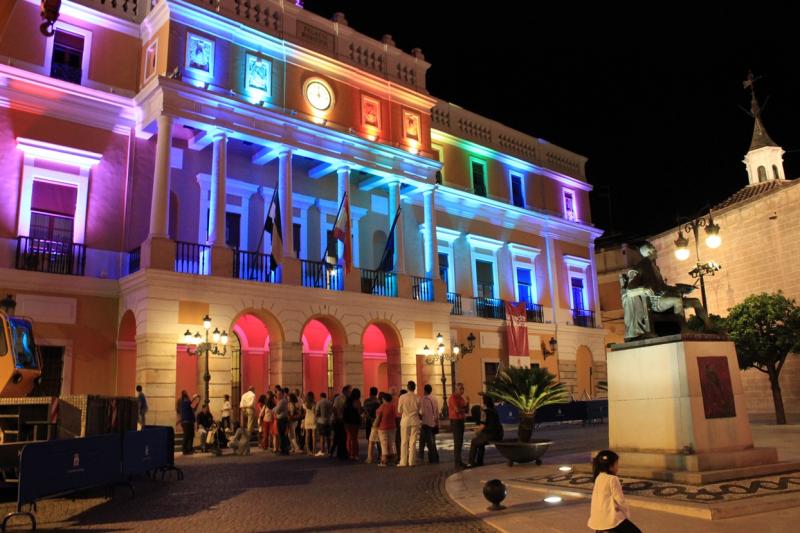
(185, 372)
(376, 371)
(316, 341)
(254, 338)
(126, 356)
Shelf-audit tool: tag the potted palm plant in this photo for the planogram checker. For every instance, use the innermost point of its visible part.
(526, 389)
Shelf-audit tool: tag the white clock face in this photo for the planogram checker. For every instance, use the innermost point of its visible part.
(319, 95)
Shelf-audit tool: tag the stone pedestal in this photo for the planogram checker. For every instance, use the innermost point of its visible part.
(677, 412)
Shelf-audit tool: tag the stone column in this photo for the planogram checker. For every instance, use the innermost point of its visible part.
(408, 365)
(159, 203)
(217, 200)
(394, 205)
(353, 357)
(431, 245)
(157, 251)
(595, 290)
(156, 373)
(344, 188)
(285, 198)
(555, 298)
(286, 364)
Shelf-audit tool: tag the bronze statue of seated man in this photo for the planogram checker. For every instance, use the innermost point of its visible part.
(644, 290)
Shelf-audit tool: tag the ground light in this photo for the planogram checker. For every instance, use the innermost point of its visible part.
(553, 499)
(565, 468)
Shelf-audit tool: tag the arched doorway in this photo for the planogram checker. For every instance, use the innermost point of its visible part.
(253, 338)
(381, 357)
(323, 363)
(583, 374)
(126, 355)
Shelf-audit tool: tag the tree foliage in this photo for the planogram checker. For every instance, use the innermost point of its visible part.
(527, 389)
(765, 328)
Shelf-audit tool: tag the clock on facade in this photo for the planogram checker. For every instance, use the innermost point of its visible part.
(318, 94)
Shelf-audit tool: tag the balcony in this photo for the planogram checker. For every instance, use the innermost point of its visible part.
(378, 283)
(254, 266)
(422, 289)
(490, 308)
(320, 275)
(534, 313)
(583, 318)
(134, 260)
(192, 258)
(42, 255)
(454, 299)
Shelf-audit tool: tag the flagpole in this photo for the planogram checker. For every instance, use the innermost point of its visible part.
(264, 227)
(389, 239)
(339, 212)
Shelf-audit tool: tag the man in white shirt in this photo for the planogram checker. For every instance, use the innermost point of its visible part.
(409, 409)
(430, 426)
(247, 405)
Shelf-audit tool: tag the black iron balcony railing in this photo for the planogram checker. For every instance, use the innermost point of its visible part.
(583, 318)
(192, 258)
(533, 312)
(378, 283)
(320, 275)
(454, 300)
(55, 257)
(490, 308)
(134, 260)
(422, 289)
(253, 266)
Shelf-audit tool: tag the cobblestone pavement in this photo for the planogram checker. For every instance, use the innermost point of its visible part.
(295, 494)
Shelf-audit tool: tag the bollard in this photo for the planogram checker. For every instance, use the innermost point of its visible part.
(495, 492)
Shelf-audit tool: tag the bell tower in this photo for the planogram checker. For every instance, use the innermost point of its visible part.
(764, 160)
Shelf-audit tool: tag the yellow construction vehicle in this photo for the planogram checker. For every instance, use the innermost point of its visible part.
(20, 362)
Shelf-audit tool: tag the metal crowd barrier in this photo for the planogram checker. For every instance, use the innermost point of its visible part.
(53, 468)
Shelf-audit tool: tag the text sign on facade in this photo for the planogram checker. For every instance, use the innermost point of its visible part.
(315, 36)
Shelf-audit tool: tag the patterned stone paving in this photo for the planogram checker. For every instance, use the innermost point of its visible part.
(714, 492)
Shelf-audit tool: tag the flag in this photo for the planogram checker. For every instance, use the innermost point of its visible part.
(517, 333)
(387, 261)
(342, 232)
(272, 225)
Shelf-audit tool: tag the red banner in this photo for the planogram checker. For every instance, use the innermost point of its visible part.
(517, 329)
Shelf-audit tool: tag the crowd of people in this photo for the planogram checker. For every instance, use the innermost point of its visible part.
(399, 427)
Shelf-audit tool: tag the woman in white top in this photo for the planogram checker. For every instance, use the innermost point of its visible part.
(609, 510)
(310, 423)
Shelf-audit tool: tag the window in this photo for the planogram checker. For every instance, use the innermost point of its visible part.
(484, 272)
(490, 370)
(232, 226)
(524, 285)
(53, 211)
(151, 60)
(437, 154)
(479, 178)
(577, 288)
(67, 59)
(296, 232)
(332, 248)
(52, 371)
(517, 196)
(762, 174)
(570, 210)
(444, 269)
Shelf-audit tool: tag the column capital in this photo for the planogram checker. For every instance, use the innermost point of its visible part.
(343, 170)
(219, 136)
(285, 153)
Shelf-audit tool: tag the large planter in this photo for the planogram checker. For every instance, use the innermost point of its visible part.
(523, 452)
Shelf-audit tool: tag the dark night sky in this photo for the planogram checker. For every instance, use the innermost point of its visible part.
(654, 105)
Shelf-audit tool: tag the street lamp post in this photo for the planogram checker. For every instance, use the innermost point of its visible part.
(218, 347)
(713, 241)
(458, 350)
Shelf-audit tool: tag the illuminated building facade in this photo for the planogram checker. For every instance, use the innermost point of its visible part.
(142, 145)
